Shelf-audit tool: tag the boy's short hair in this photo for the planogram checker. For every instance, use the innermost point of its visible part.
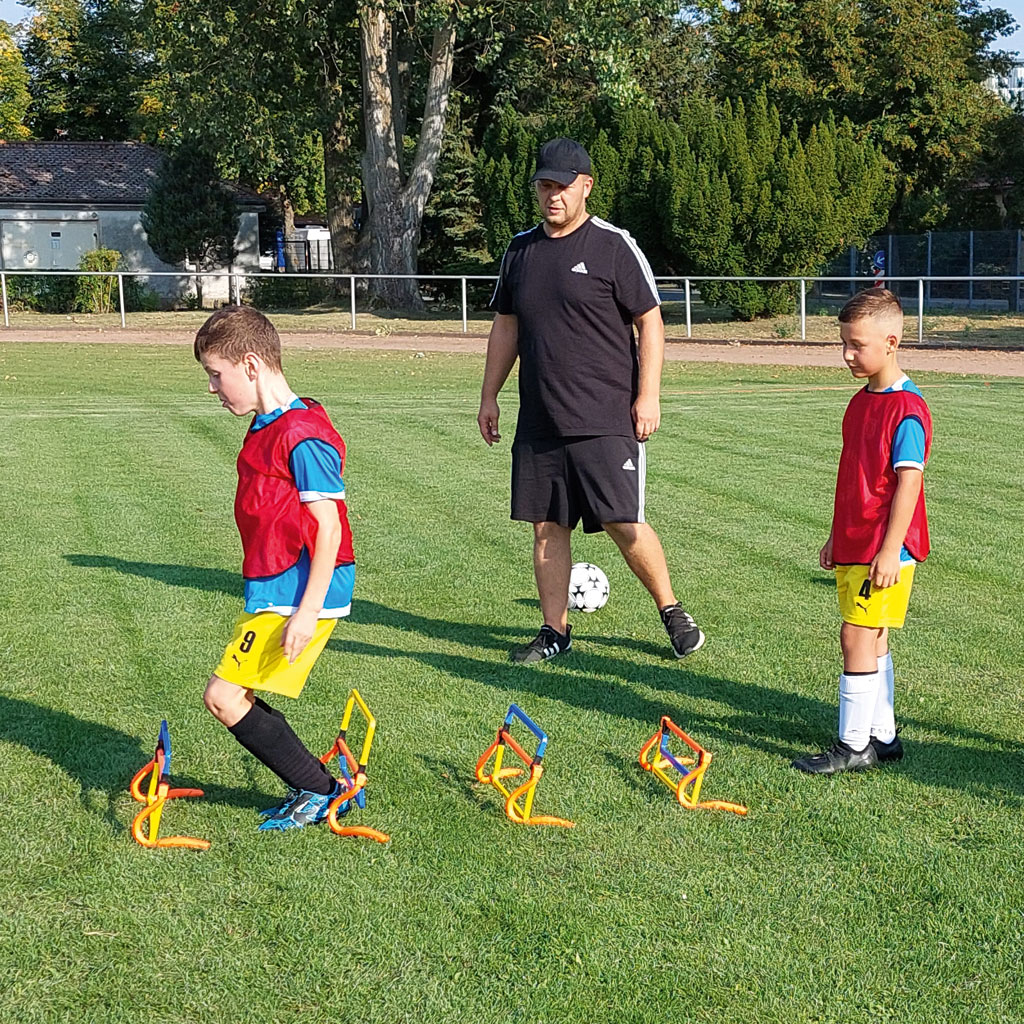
(874, 304)
(234, 330)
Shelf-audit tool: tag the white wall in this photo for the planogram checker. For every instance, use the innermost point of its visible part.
(27, 242)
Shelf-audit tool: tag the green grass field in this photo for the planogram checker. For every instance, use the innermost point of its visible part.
(893, 896)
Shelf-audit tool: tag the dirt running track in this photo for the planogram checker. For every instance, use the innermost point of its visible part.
(986, 362)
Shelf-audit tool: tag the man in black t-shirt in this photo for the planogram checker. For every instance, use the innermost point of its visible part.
(569, 294)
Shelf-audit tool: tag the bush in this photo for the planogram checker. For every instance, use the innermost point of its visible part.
(96, 294)
(41, 294)
(140, 298)
(284, 292)
(44, 293)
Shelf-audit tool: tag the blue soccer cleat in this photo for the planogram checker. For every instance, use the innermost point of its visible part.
(269, 812)
(305, 808)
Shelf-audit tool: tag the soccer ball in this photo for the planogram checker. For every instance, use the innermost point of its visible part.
(588, 588)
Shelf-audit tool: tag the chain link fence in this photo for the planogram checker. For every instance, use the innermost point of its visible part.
(949, 254)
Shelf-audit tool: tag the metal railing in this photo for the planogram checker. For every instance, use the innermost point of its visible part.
(237, 279)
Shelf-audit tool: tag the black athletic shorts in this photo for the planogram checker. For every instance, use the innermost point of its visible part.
(566, 479)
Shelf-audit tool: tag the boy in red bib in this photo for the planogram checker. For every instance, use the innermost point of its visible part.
(297, 565)
(879, 530)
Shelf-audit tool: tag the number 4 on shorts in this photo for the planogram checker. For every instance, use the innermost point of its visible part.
(865, 589)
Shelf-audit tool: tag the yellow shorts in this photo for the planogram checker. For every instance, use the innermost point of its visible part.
(254, 657)
(861, 603)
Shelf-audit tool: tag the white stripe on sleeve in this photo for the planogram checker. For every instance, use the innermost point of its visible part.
(635, 249)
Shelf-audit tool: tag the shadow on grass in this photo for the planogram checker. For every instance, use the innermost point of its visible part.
(98, 757)
(779, 722)
(456, 779)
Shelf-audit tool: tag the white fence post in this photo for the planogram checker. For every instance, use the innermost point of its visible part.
(465, 317)
(970, 270)
(803, 309)
(689, 325)
(920, 310)
(120, 297)
(1016, 284)
(352, 297)
(3, 288)
(928, 267)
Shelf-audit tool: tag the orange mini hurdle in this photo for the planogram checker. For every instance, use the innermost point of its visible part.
(353, 772)
(656, 758)
(157, 794)
(520, 813)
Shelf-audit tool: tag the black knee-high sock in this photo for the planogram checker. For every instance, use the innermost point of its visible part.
(266, 734)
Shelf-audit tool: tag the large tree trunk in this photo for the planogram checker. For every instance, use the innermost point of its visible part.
(288, 229)
(395, 206)
(338, 175)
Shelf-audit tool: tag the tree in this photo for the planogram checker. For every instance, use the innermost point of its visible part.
(190, 215)
(373, 79)
(907, 73)
(395, 197)
(14, 94)
(90, 71)
(725, 190)
(752, 198)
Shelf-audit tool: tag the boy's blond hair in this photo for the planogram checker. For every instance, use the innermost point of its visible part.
(234, 330)
(872, 304)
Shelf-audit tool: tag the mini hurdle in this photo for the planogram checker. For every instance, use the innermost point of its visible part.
(656, 758)
(521, 813)
(157, 793)
(353, 772)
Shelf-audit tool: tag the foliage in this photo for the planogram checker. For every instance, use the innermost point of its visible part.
(190, 215)
(284, 292)
(564, 55)
(907, 73)
(747, 197)
(90, 71)
(99, 294)
(453, 239)
(724, 191)
(68, 294)
(14, 93)
(96, 294)
(289, 131)
(42, 293)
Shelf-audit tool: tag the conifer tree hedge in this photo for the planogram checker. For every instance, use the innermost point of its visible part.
(721, 191)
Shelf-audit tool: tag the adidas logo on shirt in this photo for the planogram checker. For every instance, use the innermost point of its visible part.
(580, 268)
(628, 464)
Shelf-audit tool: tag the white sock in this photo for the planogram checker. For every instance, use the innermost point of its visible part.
(858, 692)
(883, 724)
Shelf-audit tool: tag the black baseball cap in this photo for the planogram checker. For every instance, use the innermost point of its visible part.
(561, 160)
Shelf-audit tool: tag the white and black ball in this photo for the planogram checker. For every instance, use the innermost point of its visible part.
(588, 588)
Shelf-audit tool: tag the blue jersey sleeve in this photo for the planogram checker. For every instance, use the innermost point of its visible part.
(908, 445)
(316, 467)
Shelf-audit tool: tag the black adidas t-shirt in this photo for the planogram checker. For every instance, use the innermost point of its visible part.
(575, 298)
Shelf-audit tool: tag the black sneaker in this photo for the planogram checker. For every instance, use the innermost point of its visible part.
(546, 644)
(682, 630)
(891, 751)
(838, 758)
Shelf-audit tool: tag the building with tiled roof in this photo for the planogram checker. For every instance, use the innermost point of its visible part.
(60, 199)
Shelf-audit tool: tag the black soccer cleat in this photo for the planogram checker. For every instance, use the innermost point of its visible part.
(891, 751)
(682, 630)
(838, 758)
(548, 643)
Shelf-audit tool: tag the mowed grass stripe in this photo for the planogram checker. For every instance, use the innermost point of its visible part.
(853, 897)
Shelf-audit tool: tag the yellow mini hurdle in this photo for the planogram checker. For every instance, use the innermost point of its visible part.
(156, 795)
(656, 758)
(521, 813)
(353, 772)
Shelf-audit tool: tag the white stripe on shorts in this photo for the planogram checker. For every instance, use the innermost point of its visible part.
(641, 465)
